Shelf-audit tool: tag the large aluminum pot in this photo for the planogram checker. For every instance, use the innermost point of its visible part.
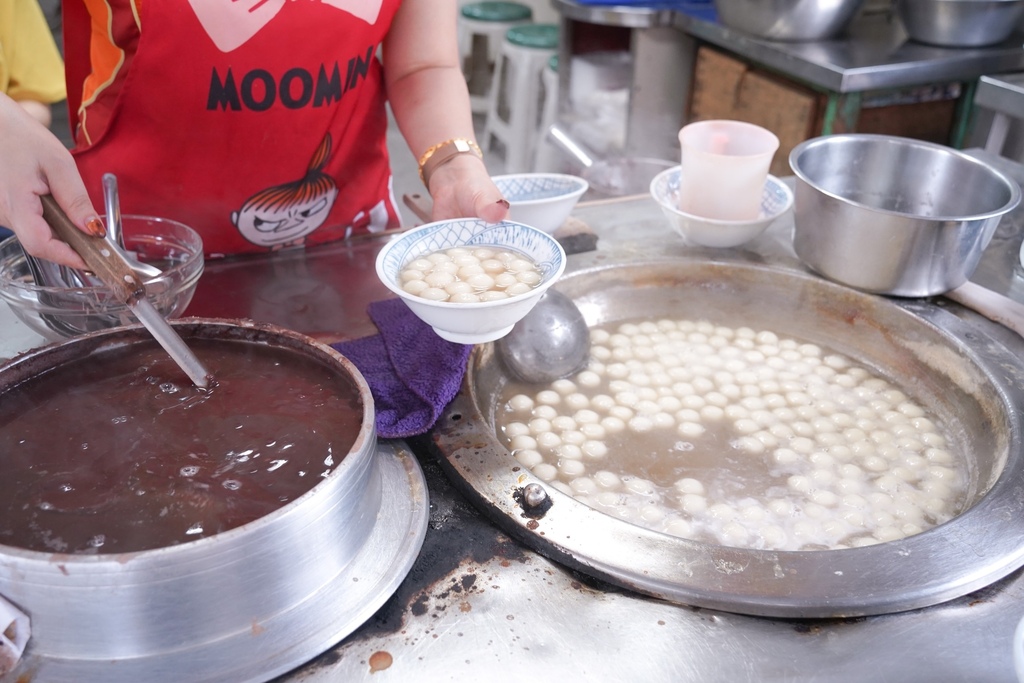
(790, 20)
(960, 23)
(245, 604)
(896, 216)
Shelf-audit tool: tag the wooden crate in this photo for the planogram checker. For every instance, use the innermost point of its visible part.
(932, 121)
(727, 88)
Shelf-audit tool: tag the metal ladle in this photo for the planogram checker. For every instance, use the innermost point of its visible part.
(551, 342)
(49, 274)
(55, 277)
(114, 271)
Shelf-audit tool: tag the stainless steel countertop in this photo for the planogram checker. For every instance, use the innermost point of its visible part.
(874, 54)
(478, 605)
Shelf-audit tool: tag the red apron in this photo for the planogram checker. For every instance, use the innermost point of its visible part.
(259, 123)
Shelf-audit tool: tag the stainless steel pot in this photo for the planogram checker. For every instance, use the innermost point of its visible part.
(245, 604)
(896, 216)
(960, 23)
(792, 20)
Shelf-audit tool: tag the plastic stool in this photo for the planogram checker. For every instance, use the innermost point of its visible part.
(546, 159)
(486, 22)
(1003, 94)
(515, 93)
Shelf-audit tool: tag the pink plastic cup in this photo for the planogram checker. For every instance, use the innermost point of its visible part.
(724, 168)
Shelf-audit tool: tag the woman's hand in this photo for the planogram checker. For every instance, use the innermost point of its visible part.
(33, 162)
(461, 187)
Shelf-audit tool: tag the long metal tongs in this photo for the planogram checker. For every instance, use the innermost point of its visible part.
(113, 269)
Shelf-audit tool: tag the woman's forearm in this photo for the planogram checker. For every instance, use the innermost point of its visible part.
(430, 100)
(426, 88)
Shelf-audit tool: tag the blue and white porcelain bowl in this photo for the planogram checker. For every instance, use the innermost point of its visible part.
(480, 322)
(710, 232)
(543, 200)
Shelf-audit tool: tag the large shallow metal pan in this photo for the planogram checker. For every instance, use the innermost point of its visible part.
(972, 382)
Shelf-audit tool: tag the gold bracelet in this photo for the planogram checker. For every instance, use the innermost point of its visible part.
(444, 152)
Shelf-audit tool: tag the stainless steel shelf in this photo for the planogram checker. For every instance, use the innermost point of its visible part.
(874, 54)
(1004, 93)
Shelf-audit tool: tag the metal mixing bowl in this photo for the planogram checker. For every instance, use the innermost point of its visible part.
(892, 215)
(795, 20)
(960, 23)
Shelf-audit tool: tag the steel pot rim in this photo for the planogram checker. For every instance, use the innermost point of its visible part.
(849, 138)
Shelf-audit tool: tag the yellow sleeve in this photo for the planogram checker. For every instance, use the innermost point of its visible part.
(31, 67)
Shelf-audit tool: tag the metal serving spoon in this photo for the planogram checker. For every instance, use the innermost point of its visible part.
(551, 342)
(49, 274)
(115, 229)
(126, 286)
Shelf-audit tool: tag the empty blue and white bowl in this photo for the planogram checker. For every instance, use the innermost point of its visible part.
(776, 199)
(479, 322)
(542, 200)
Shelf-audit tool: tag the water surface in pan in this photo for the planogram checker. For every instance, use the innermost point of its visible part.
(118, 452)
(737, 437)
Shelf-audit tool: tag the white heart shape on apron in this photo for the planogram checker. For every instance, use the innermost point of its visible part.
(367, 10)
(230, 23)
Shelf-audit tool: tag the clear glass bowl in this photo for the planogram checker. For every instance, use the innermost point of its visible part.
(60, 312)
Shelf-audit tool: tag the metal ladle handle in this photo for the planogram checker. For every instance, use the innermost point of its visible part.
(102, 260)
(992, 305)
(115, 272)
(112, 204)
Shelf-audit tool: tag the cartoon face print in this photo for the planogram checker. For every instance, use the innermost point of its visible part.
(284, 214)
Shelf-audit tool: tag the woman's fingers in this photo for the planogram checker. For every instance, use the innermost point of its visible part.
(37, 163)
(462, 187)
(492, 211)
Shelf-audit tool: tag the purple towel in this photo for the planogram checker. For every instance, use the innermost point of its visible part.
(413, 374)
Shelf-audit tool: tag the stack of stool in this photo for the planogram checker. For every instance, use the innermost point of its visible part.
(1004, 95)
(487, 23)
(512, 113)
(546, 159)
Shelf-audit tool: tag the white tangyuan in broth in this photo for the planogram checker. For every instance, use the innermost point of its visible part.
(470, 275)
(736, 437)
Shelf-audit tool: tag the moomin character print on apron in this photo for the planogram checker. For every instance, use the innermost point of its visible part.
(260, 123)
